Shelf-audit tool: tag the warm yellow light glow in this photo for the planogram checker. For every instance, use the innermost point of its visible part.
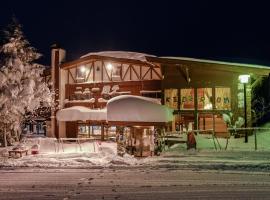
(208, 106)
(244, 78)
(109, 66)
(82, 69)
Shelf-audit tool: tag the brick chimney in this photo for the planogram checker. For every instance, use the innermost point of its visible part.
(57, 57)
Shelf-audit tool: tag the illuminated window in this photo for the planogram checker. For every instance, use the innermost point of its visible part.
(171, 98)
(187, 99)
(223, 98)
(204, 96)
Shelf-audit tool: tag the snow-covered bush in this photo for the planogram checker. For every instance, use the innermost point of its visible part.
(22, 88)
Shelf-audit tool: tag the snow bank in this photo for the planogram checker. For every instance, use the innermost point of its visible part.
(239, 156)
(71, 156)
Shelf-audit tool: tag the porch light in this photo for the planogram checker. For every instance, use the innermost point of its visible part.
(244, 78)
(109, 66)
(82, 69)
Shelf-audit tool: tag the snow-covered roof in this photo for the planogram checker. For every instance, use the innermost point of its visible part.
(121, 54)
(217, 62)
(129, 108)
(76, 113)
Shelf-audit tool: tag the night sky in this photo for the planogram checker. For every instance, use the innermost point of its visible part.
(238, 32)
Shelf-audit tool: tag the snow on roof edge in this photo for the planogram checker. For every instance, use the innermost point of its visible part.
(121, 54)
(217, 62)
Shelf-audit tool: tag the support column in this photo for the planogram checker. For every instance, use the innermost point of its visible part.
(102, 132)
(57, 56)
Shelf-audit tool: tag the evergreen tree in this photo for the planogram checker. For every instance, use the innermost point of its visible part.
(21, 86)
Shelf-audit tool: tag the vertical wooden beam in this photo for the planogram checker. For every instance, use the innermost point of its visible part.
(196, 108)
(140, 72)
(102, 65)
(68, 77)
(121, 71)
(94, 71)
(151, 73)
(130, 72)
(90, 69)
(76, 75)
(214, 108)
(102, 132)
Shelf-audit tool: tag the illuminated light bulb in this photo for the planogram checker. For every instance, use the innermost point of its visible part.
(109, 66)
(82, 69)
(244, 78)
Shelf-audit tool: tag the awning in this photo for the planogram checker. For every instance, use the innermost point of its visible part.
(80, 113)
(129, 108)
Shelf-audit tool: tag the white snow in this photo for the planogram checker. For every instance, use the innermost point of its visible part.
(76, 113)
(137, 109)
(95, 154)
(120, 54)
(217, 62)
(120, 108)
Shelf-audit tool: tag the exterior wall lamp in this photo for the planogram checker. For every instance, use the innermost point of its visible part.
(245, 79)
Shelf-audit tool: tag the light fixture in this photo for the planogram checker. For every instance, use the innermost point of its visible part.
(82, 69)
(109, 66)
(244, 78)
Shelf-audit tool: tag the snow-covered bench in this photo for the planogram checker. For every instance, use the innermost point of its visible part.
(19, 151)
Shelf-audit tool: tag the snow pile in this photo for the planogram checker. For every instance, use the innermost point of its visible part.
(120, 54)
(72, 156)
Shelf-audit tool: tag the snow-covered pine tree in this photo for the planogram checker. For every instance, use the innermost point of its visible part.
(21, 86)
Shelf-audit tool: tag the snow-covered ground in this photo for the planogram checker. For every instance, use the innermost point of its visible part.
(92, 154)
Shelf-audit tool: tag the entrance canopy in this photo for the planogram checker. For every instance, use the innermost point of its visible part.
(124, 108)
(128, 108)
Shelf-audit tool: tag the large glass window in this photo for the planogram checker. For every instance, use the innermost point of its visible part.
(187, 99)
(204, 96)
(223, 98)
(171, 98)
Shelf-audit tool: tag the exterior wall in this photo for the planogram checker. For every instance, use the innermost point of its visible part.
(196, 75)
(131, 78)
(98, 71)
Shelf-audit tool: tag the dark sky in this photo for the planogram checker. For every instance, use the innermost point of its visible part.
(231, 31)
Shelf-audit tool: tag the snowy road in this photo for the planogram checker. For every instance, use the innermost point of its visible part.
(132, 183)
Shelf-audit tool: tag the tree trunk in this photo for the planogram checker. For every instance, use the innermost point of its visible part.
(5, 137)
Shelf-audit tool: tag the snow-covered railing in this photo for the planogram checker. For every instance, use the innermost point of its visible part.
(78, 141)
(227, 140)
(254, 129)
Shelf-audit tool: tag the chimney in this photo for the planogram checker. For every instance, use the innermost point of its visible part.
(57, 57)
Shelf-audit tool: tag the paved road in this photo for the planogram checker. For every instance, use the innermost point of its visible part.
(131, 184)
